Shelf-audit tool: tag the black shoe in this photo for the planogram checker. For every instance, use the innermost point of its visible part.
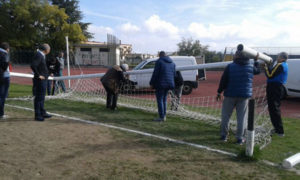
(39, 119)
(47, 115)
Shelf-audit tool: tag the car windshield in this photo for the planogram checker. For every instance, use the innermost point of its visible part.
(139, 65)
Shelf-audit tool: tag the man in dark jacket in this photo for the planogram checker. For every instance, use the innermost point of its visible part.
(53, 68)
(162, 81)
(236, 82)
(60, 59)
(177, 91)
(41, 74)
(4, 76)
(111, 82)
(277, 76)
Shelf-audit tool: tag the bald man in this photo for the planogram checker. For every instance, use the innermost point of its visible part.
(41, 74)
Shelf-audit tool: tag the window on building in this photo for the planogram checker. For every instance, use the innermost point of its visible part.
(104, 49)
(86, 49)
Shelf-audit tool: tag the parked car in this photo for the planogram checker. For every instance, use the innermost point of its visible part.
(141, 81)
(292, 87)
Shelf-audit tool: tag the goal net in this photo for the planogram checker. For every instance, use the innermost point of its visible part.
(195, 106)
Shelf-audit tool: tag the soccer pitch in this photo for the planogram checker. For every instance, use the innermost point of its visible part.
(60, 148)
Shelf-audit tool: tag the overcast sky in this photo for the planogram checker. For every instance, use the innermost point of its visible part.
(154, 25)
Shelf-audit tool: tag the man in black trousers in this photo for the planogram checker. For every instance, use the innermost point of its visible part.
(277, 77)
(112, 81)
(41, 74)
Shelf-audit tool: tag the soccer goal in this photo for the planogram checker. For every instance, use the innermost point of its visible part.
(196, 106)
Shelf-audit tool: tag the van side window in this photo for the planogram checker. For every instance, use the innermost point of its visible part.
(150, 65)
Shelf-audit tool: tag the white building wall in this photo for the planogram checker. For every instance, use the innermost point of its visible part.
(95, 57)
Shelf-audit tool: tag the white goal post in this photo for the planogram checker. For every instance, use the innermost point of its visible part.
(88, 88)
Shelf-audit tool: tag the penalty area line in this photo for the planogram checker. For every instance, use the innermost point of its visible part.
(134, 131)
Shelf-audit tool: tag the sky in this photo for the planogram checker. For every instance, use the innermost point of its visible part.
(155, 25)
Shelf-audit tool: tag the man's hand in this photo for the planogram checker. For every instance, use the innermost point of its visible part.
(218, 98)
(42, 77)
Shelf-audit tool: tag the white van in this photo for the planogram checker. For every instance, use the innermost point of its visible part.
(141, 81)
(292, 87)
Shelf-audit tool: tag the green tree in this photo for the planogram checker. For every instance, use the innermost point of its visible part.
(190, 47)
(213, 56)
(25, 23)
(75, 15)
(54, 27)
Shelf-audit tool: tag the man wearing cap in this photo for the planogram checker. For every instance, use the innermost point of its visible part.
(276, 77)
(41, 73)
(111, 82)
(236, 82)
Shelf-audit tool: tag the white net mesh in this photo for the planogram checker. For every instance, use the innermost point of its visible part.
(205, 109)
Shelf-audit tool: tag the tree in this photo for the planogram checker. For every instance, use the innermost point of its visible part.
(25, 23)
(75, 15)
(213, 56)
(190, 47)
(55, 27)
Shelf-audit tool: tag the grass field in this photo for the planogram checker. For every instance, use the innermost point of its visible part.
(148, 158)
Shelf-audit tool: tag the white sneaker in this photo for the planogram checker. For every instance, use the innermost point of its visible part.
(4, 116)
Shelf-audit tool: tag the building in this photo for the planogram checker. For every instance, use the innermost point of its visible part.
(125, 50)
(100, 53)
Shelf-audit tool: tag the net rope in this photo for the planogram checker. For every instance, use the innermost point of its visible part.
(206, 109)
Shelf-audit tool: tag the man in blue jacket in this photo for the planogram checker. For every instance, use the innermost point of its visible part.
(162, 81)
(236, 82)
(277, 76)
(4, 76)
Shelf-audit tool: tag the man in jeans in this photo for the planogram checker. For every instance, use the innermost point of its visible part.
(4, 76)
(177, 91)
(162, 81)
(61, 61)
(236, 82)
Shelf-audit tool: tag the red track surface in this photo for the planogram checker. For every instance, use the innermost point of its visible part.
(290, 107)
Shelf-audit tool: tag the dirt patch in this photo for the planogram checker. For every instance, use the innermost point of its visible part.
(63, 149)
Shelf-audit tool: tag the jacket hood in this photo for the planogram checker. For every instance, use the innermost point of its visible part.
(242, 61)
(167, 59)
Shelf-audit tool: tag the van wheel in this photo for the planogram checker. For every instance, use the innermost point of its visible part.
(187, 89)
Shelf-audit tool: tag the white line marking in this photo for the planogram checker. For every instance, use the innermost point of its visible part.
(135, 131)
(155, 136)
